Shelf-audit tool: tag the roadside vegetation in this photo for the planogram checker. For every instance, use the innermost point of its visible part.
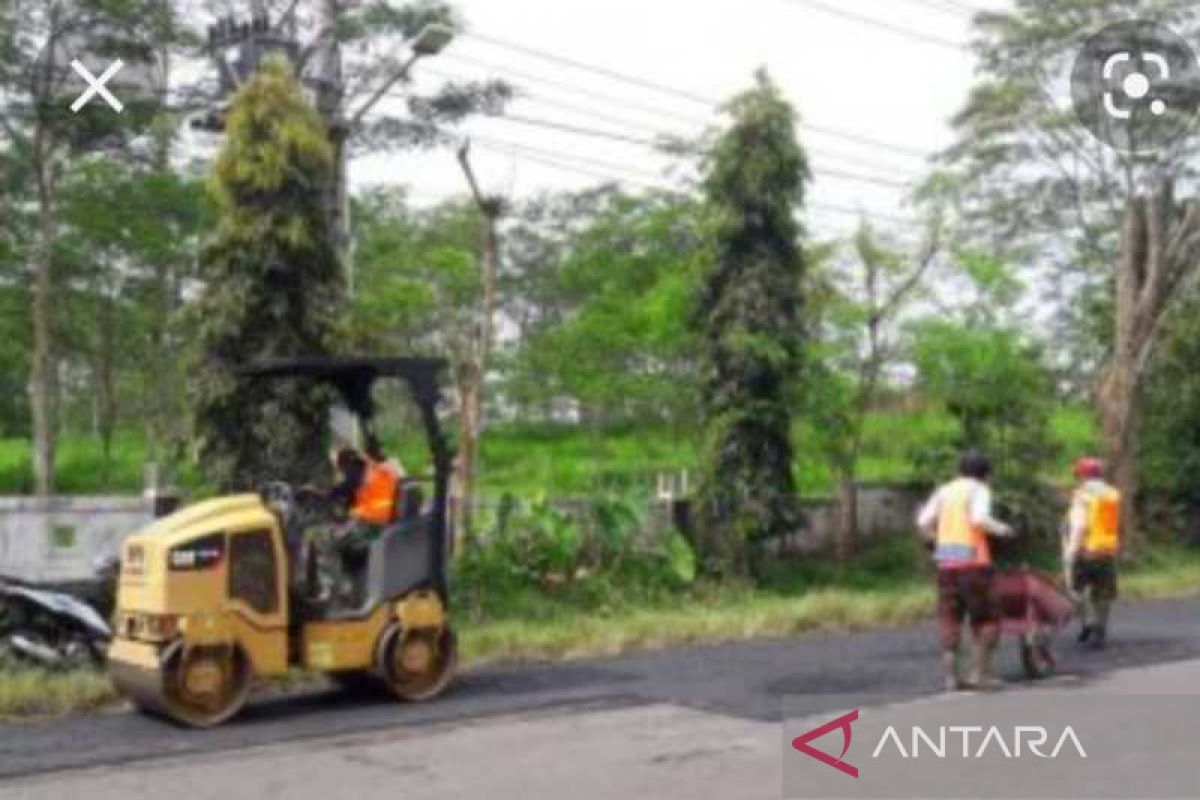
(696, 328)
(596, 615)
(564, 460)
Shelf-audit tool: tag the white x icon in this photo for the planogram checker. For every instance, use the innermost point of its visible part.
(96, 86)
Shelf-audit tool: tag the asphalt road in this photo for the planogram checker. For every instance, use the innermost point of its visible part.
(731, 689)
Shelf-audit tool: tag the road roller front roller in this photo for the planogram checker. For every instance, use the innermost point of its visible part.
(221, 594)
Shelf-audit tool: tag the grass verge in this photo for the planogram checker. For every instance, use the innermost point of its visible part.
(36, 693)
(705, 615)
(730, 616)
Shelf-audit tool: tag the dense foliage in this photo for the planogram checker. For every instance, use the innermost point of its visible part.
(274, 289)
(639, 332)
(749, 318)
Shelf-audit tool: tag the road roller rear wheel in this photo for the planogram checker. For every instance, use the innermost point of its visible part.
(418, 664)
(204, 686)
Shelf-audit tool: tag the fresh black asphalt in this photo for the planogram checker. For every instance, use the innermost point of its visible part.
(748, 679)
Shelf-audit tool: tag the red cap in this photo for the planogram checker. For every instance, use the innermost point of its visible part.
(1086, 468)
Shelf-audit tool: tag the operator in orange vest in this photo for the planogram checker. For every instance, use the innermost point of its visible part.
(958, 520)
(1091, 546)
(368, 490)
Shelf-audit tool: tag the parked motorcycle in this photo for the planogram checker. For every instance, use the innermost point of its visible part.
(50, 629)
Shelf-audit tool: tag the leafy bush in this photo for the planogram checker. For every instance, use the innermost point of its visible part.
(594, 552)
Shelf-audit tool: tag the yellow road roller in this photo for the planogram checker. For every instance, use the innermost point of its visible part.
(218, 594)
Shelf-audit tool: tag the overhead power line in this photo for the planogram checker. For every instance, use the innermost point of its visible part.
(946, 6)
(507, 144)
(647, 182)
(899, 30)
(567, 166)
(833, 169)
(597, 70)
(575, 89)
(651, 143)
(711, 103)
(577, 130)
(553, 102)
(538, 97)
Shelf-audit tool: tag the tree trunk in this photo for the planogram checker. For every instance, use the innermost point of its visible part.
(41, 377)
(105, 391)
(162, 384)
(471, 416)
(465, 466)
(1160, 244)
(847, 518)
(1119, 409)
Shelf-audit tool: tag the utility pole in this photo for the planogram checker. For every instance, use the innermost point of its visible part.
(239, 47)
(331, 97)
(474, 372)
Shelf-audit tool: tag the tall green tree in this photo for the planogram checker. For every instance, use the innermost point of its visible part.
(749, 321)
(994, 383)
(619, 347)
(356, 56)
(1170, 446)
(42, 133)
(127, 234)
(274, 288)
(1108, 230)
(863, 297)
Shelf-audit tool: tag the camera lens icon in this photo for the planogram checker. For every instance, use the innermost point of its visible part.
(1136, 86)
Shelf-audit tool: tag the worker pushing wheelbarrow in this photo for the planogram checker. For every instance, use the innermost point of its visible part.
(957, 523)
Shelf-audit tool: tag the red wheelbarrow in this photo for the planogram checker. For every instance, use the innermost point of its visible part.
(1032, 607)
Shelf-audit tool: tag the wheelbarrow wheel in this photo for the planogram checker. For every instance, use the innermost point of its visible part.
(1036, 657)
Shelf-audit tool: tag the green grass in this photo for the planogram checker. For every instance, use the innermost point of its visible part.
(34, 693)
(889, 586)
(726, 615)
(560, 460)
(81, 467)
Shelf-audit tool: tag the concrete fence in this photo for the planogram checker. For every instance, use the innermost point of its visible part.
(883, 510)
(59, 540)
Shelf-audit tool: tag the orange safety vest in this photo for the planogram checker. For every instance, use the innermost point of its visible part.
(959, 542)
(1102, 507)
(375, 500)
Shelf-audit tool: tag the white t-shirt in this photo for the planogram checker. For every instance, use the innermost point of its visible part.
(980, 510)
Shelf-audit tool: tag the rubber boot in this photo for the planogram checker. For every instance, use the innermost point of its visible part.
(1100, 628)
(983, 673)
(951, 681)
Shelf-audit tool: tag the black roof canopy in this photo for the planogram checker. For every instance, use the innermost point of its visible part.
(354, 377)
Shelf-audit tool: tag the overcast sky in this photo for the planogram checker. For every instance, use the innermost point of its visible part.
(844, 76)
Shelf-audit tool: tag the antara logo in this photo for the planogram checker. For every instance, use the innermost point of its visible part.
(801, 743)
(1031, 739)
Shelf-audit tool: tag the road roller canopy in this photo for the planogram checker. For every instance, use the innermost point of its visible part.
(354, 379)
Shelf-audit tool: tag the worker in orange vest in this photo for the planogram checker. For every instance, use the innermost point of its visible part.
(958, 520)
(1090, 548)
(369, 492)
